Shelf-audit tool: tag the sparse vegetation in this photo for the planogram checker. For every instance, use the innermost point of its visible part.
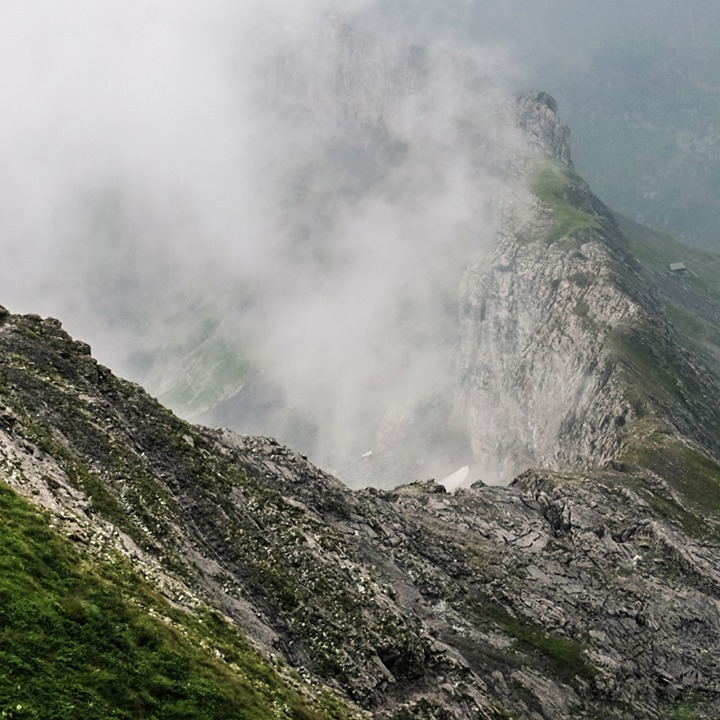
(687, 323)
(656, 250)
(92, 640)
(691, 473)
(686, 710)
(562, 656)
(648, 373)
(551, 182)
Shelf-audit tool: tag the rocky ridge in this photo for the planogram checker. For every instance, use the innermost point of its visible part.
(559, 328)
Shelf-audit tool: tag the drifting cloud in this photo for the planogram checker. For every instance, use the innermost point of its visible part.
(259, 178)
(253, 204)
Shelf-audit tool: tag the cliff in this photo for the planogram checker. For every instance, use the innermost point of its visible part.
(565, 346)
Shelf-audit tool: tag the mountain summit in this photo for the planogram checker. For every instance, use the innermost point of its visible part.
(565, 346)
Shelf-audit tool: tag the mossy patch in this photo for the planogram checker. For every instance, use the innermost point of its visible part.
(649, 374)
(691, 473)
(687, 709)
(562, 656)
(552, 182)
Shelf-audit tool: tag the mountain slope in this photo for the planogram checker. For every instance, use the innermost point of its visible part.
(690, 297)
(84, 628)
(82, 632)
(590, 592)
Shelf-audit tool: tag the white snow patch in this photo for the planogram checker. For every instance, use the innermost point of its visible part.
(454, 481)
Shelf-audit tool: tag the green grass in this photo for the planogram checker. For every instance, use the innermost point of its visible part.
(688, 324)
(693, 478)
(551, 183)
(653, 249)
(686, 710)
(656, 250)
(563, 657)
(648, 374)
(83, 639)
(689, 472)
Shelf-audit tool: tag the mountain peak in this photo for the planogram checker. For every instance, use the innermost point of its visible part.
(538, 117)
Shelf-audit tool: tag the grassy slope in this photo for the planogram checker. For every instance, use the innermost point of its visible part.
(690, 299)
(551, 182)
(80, 638)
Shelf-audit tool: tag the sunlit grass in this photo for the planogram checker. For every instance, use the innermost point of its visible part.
(90, 639)
(550, 183)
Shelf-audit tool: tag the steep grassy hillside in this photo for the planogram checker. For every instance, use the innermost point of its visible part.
(691, 297)
(82, 636)
(553, 182)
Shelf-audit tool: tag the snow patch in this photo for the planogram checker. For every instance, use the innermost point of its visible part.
(454, 481)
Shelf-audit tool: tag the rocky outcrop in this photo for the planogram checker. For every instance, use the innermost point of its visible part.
(537, 116)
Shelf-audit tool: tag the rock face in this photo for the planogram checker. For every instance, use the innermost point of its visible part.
(537, 116)
(556, 323)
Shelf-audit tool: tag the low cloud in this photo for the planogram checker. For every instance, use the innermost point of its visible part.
(260, 177)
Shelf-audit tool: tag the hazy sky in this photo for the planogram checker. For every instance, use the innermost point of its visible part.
(150, 95)
(556, 31)
(162, 156)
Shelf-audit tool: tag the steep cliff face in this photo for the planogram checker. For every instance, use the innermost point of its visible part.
(564, 346)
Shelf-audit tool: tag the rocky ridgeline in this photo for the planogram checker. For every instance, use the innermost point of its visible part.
(576, 594)
(563, 345)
